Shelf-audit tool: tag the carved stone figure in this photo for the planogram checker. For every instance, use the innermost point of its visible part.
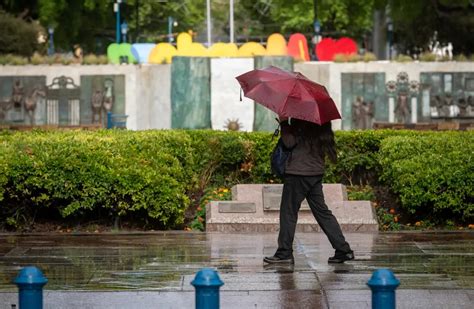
(367, 114)
(402, 109)
(463, 105)
(96, 104)
(436, 105)
(5, 105)
(357, 113)
(108, 96)
(31, 102)
(17, 94)
(448, 102)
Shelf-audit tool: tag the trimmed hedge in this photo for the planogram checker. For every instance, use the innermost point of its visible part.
(432, 174)
(152, 177)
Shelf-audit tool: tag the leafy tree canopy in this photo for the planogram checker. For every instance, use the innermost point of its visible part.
(415, 23)
(91, 23)
(17, 36)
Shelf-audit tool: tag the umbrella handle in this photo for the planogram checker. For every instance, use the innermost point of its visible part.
(240, 94)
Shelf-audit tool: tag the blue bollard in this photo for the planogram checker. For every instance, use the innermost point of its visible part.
(207, 284)
(109, 120)
(383, 285)
(30, 282)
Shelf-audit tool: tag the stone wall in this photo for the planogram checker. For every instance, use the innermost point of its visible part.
(147, 99)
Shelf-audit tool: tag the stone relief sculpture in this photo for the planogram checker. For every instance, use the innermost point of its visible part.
(401, 92)
(5, 105)
(463, 105)
(402, 108)
(31, 102)
(102, 99)
(356, 112)
(445, 106)
(362, 113)
(109, 95)
(96, 104)
(17, 94)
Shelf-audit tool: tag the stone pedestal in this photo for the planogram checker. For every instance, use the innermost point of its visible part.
(255, 208)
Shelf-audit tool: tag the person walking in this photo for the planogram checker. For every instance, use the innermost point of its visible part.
(311, 144)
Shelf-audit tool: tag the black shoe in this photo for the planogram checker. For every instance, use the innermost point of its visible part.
(278, 260)
(341, 258)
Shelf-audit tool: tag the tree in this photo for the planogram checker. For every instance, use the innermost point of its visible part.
(78, 21)
(337, 17)
(415, 23)
(17, 36)
(152, 17)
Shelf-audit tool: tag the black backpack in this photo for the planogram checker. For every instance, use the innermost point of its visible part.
(280, 155)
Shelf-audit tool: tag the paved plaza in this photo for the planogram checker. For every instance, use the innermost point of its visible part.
(154, 270)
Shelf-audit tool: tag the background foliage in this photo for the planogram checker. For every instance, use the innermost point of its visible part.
(17, 36)
(159, 179)
(91, 23)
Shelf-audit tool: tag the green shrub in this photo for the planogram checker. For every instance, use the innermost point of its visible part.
(461, 58)
(66, 60)
(90, 59)
(347, 58)
(153, 176)
(78, 173)
(403, 58)
(357, 156)
(37, 59)
(427, 56)
(10, 59)
(210, 194)
(432, 174)
(102, 59)
(360, 193)
(368, 56)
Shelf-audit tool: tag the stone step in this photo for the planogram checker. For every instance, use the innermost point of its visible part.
(236, 216)
(255, 208)
(268, 196)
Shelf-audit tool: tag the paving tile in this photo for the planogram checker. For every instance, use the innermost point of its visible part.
(436, 269)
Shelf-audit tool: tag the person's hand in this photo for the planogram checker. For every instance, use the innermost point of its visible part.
(282, 118)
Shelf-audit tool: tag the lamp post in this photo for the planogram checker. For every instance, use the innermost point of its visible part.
(171, 23)
(124, 28)
(208, 15)
(316, 26)
(117, 20)
(231, 21)
(51, 41)
(389, 39)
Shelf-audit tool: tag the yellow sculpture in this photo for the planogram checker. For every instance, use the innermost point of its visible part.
(164, 52)
(276, 45)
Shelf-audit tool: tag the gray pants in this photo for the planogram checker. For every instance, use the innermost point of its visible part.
(295, 189)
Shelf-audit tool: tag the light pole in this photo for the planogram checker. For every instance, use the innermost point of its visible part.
(231, 21)
(317, 27)
(124, 28)
(389, 39)
(208, 14)
(51, 41)
(117, 20)
(171, 23)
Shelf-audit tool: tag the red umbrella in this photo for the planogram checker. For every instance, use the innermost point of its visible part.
(289, 94)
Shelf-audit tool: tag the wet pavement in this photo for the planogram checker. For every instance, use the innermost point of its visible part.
(154, 270)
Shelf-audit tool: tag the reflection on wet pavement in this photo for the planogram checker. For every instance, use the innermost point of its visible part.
(168, 261)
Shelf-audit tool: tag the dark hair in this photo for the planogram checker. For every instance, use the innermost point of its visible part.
(321, 136)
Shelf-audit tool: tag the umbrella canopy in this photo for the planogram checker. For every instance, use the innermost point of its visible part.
(289, 94)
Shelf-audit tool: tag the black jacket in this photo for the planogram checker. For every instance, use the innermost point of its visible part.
(305, 158)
